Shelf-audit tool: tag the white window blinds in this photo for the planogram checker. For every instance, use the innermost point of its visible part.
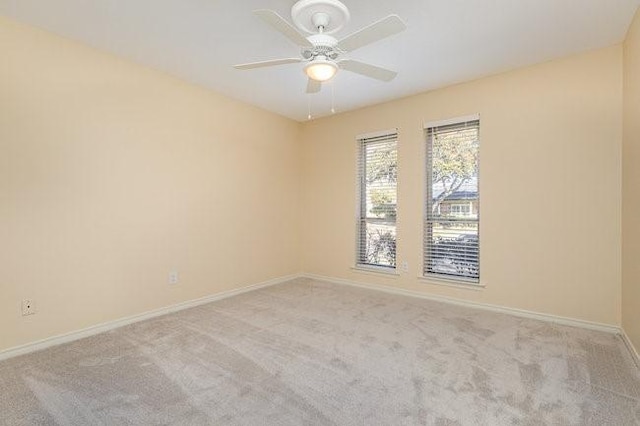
(377, 198)
(451, 238)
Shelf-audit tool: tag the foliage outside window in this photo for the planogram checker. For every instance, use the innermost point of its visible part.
(377, 177)
(451, 238)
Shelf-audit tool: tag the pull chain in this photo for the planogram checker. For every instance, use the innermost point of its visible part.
(333, 97)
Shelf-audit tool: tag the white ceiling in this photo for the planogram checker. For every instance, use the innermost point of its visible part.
(447, 41)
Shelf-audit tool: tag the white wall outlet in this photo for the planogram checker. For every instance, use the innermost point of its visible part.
(405, 266)
(28, 307)
(173, 278)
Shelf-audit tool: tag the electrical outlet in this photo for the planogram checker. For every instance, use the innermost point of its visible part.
(173, 277)
(28, 307)
(405, 266)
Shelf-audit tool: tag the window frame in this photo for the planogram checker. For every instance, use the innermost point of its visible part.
(362, 218)
(429, 219)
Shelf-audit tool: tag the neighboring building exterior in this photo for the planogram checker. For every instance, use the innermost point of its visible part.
(462, 203)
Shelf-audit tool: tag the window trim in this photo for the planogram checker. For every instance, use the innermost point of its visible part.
(376, 270)
(446, 281)
(450, 121)
(434, 277)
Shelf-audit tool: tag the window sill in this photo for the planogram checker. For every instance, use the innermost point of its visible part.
(376, 270)
(452, 282)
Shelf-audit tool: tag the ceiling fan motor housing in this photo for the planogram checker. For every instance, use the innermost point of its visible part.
(323, 45)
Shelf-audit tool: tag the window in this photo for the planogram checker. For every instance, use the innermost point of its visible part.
(461, 209)
(377, 196)
(451, 239)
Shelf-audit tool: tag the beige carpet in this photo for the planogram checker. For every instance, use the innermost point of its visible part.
(309, 352)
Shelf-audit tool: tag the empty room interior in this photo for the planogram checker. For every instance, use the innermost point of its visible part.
(319, 212)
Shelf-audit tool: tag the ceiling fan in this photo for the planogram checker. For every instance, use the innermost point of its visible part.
(323, 53)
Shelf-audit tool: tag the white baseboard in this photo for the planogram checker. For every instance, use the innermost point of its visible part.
(632, 349)
(485, 306)
(101, 328)
(111, 325)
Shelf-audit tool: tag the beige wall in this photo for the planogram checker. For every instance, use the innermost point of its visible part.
(112, 174)
(550, 186)
(631, 186)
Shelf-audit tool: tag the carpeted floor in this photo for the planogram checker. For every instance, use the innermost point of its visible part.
(309, 352)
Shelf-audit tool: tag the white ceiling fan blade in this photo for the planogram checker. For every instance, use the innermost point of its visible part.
(252, 65)
(281, 25)
(367, 70)
(313, 86)
(383, 28)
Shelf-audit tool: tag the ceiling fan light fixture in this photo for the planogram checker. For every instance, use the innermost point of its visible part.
(321, 70)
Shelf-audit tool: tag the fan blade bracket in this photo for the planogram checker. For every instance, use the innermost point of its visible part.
(281, 25)
(376, 31)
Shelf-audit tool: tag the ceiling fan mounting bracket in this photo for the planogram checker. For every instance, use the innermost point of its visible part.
(321, 21)
(325, 16)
